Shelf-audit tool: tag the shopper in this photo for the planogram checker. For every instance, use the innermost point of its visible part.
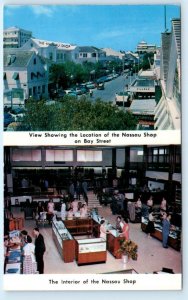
(39, 250)
(71, 190)
(118, 222)
(83, 211)
(74, 205)
(29, 261)
(150, 228)
(63, 210)
(70, 214)
(125, 228)
(50, 212)
(166, 229)
(103, 231)
(23, 237)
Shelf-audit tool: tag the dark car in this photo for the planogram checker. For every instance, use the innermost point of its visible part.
(8, 119)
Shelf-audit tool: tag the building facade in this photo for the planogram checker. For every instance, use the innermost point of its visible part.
(168, 110)
(56, 52)
(143, 47)
(111, 52)
(25, 75)
(90, 54)
(15, 37)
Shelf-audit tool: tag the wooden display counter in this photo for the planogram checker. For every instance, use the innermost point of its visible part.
(90, 251)
(173, 242)
(113, 243)
(86, 226)
(16, 224)
(63, 241)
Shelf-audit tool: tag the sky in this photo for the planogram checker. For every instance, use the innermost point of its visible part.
(120, 27)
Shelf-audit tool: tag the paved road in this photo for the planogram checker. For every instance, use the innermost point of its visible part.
(114, 86)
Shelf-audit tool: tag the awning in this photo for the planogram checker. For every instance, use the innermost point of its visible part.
(15, 76)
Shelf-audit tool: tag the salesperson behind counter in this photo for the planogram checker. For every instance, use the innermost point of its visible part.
(103, 230)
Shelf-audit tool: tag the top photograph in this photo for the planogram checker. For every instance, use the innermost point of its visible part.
(92, 67)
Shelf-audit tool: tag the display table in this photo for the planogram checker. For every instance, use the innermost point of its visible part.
(174, 236)
(64, 241)
(90, 251)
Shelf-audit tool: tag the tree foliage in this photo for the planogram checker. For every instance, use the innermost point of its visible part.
(74, 114)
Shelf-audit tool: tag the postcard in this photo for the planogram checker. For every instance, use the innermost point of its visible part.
(92, 147)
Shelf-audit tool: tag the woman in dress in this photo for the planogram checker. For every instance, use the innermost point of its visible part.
(63, 210)
(125, 228)
(83, 211)
(150, 228)
(50, 212)
(103, 231)
(29, 262)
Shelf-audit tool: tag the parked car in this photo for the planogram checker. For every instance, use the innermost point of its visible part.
(8, 118)
(60, 94)
(78, 91)
(100, 86)
(90, 85)
(17, 113)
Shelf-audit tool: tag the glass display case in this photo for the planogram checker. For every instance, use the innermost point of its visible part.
(63, 240)
(174, 235)
(90, 251)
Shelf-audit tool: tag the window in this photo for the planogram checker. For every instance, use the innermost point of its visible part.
(84, 54)
(34, 61)
(26, 155)
(51, 56)
(89, 155)
(59, 155)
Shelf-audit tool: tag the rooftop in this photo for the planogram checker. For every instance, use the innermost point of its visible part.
(17, 58)
(59, 45)
(143, 106)
(90, 49)
(144, 83)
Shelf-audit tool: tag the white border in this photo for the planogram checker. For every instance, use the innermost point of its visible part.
(110, 295)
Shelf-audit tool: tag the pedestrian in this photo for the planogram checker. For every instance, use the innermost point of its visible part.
(29, 261)
(166, 229)
(39, 250)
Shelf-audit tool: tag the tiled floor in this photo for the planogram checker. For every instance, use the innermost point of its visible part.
(151, 255)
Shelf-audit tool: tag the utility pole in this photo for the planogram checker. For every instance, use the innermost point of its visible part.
(165, 18)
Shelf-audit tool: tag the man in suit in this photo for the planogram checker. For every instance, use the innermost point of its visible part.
(39, 250)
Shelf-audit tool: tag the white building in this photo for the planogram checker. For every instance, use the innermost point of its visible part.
(168, 110)
(90, 54)
(143, 47)
(25, 75)
(112, 52)
(15, 37)
(56, 52)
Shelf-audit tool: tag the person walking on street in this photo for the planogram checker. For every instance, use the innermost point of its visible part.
(39, 250)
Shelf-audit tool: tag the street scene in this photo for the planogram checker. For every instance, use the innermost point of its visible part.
(108, 80)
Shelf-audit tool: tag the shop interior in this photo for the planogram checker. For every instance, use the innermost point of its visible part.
(110, 181)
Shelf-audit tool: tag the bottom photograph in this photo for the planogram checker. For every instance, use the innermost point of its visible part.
(92, 210)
